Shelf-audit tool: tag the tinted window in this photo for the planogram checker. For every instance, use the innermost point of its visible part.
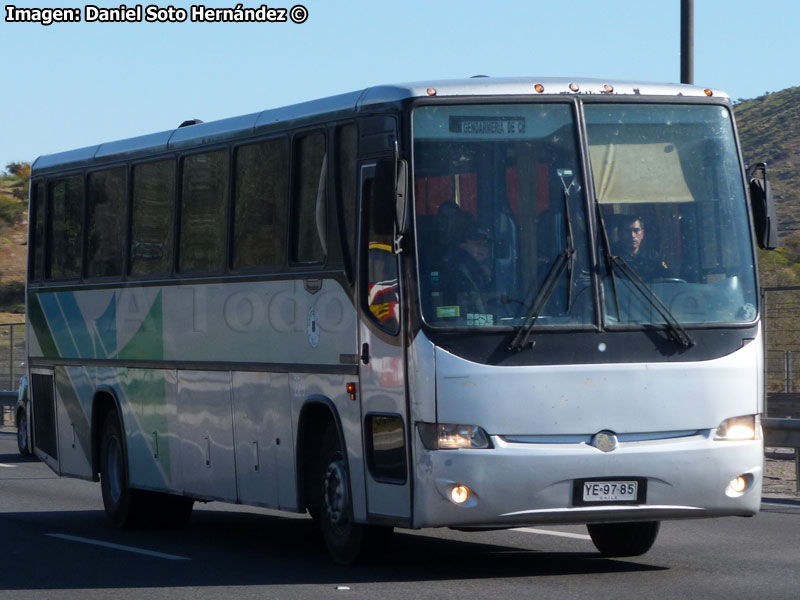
(309, 199)
(347, 147)
(498, 203)
(386, 448)
(37, 229)
(64, 228)
(383, 297)
(204, 190)
(260, 204)
(152, 218)
(668, 180)
(105, 236)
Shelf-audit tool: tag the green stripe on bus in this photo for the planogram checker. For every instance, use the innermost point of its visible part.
(41, 329)
(148, 342)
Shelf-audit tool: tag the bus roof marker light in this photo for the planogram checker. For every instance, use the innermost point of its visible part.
(574, 87)
(539, 87)
(708, 92)
(608, 88)
(431, 91)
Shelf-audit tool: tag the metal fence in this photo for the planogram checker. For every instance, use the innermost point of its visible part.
(12, 365)
(12, 355)
(781, 309)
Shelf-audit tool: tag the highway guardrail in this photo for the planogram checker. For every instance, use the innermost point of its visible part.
(784, 433)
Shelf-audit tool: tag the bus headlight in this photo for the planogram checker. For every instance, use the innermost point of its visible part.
(747, 427)
(453, 436)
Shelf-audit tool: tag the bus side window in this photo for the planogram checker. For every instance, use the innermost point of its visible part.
(203, 201)
(64, 228)
(347, 186)
(260, 204)
(39, 196)
(309, 199)
(152, 217)
(105, 234)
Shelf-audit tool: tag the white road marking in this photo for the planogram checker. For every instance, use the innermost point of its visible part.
(5, 466)
(577, 536)
(74, 538)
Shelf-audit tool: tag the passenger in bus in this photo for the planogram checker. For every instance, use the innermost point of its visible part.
(632, 247)
(467, 269)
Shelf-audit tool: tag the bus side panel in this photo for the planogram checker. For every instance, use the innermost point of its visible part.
(74, 392)
(149, 398)
(206, 431)
(265, 464)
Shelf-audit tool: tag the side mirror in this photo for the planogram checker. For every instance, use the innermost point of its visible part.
(765, 219)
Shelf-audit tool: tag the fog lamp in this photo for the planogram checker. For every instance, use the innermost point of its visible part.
(738, 484)
(459, 494)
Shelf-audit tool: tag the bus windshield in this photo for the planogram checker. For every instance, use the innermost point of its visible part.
(498, 200)
(501, 216)
(669, 187)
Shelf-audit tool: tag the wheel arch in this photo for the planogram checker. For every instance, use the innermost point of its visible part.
(104, 402)
(316, 415)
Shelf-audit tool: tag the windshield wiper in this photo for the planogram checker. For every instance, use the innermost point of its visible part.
(565, 261)
(677, 332)
(524, 331)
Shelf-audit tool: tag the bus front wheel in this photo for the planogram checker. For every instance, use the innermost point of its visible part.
(624, 539)
(344, 538)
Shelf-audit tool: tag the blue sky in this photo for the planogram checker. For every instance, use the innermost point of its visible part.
(72, 85)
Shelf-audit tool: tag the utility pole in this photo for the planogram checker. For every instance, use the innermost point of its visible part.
(687, 41)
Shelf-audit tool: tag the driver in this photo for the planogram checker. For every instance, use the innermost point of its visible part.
(644, 260)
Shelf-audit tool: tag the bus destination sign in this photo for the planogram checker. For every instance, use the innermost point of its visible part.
(487, 125)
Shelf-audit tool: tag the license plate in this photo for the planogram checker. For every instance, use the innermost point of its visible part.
(610, 491)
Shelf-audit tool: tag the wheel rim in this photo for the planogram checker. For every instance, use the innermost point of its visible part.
(114, 469)
(336, 495)
(22, 432)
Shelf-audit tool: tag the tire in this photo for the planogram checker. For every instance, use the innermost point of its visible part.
(347, 542)
(23, 439)
(624, 539)
(124, 506)
(343, 538)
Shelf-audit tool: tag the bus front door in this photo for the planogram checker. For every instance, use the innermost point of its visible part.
(384, 416)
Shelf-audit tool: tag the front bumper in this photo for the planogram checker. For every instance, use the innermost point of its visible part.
(516, 484)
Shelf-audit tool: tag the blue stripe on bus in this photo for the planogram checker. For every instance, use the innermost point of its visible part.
(77, 326)
(106, 325)
(59, 327)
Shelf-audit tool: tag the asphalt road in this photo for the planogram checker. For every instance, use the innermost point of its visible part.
(50, 529)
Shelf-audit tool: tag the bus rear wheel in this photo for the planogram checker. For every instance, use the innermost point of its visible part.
(122, 503)
(23, 440)
(624, 539)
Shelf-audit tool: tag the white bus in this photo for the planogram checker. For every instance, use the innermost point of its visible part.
(484, 303)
